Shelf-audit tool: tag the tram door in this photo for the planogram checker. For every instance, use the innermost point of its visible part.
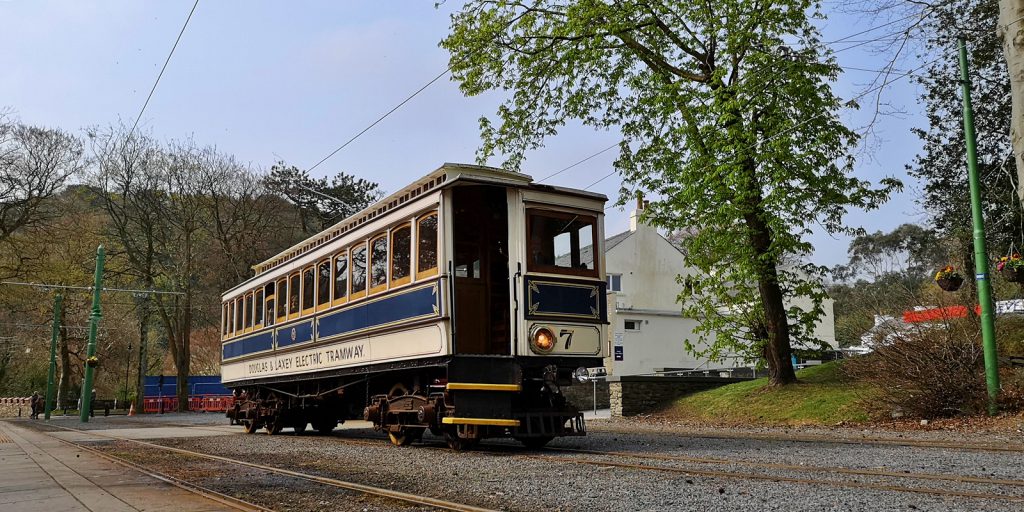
(480, 229)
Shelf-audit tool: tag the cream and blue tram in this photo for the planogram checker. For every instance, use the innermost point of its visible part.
(463, 304)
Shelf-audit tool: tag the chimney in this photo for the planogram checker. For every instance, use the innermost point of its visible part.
(634, 217)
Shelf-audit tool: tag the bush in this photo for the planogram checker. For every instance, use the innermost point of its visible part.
(932, 371)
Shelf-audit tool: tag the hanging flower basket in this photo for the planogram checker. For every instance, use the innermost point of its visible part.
(1012, 268)
(92, 361)
(949, 279)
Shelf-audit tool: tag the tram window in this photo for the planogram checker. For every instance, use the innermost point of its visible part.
(308, 282)
(257, 310)
(268, 293)
(378, 263)
(238, 315)
(323, 283)
(340, 276)
(247, 311)
(293, 295)
(401, 253)
(426, 248)
(358, 272)
(224, 319)
(282, 299)
(561, 243)
(229, 318)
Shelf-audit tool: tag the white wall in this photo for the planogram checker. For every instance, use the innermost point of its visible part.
(649, 265)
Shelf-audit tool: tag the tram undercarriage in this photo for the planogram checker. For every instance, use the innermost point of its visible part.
(465, 400)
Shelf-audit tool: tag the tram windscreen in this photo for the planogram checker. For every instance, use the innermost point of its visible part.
(561, 243)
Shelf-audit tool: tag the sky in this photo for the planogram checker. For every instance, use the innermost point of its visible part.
(269, 81)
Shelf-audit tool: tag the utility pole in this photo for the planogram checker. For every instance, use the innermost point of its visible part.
(58, 301)
(988, 331)
(94, 322)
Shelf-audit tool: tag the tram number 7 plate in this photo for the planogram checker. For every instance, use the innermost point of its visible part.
(567, 334)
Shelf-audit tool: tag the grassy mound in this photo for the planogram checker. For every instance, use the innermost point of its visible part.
(823, 396)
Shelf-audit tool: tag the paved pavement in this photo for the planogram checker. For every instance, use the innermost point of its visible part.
(41, 474)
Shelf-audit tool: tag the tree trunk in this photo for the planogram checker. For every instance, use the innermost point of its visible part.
(777, 351)
(1011, 31)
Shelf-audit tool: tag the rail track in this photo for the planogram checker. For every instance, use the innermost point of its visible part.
(817, 475)
(409, 498)
(797, 438)
(546, 456)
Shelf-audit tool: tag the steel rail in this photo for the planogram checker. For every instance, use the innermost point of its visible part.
(798, 467)
(219, 497)
(333, 482)
(787, 479)
(813, 438)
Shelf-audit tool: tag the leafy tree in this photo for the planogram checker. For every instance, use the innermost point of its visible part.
(321, 202)
(726, 116)
(885, 276)
(942, 163)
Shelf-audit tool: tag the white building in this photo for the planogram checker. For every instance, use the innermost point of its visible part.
(648, 330)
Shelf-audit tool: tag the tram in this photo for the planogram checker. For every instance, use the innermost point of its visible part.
(463, 303)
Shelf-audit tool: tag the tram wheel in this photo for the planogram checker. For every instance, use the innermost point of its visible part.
(460, 444)
(250, 426)
(300, 427)
(535, 443)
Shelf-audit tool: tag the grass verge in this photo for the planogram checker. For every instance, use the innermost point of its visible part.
(823, 396)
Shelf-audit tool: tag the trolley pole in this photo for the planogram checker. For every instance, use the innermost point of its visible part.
(94, 321)
(988, 335)
(51, 376)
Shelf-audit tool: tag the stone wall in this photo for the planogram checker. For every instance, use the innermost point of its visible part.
(582, 395)
(630, 396)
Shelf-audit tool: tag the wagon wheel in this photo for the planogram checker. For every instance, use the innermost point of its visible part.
(274, 426)
(300, 426)
(250, 426)
(460, 444)
(325, 427)
(406, 436)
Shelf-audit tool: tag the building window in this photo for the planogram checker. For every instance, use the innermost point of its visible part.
(633, 325)
(614, 282)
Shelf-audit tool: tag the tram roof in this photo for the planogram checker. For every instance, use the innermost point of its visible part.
(445, 176)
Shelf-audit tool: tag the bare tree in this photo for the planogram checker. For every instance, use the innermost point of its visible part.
(35, 163)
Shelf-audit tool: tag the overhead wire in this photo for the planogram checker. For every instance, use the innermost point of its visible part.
(162, 69)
